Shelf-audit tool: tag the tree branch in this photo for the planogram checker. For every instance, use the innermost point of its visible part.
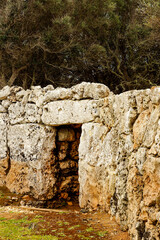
(15, 75)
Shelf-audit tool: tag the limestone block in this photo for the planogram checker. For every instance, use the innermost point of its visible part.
(6, 104)
(2, 109)
(87, 90)
(155, 148)
(125, 113)
(35, 88)
(26, 97)
(14, 93)
(20, 113)
(58, 94)
(140, 127)
(93, 167)
(151, 176)
(48, 88)
(4, 166)
(5, 92)
(151, 196)
(20, 95)
(15, 89)
(69, 112)
(4, 158)
(16, 113)
(32, 161)
(143, 98)
(66, 134)
(119, 199)
(141, 155)
(35, 95)
(143, 184)
(155, 95)
(3, 135)
(135, 196)
(151, 128)
(107, 111)
(123, 146)
(31, 113)
(18, 177)
(89, 150)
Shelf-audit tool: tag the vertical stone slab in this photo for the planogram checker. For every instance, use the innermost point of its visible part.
(4, 158)
(150, 206)
(32, 169)
(95, 177)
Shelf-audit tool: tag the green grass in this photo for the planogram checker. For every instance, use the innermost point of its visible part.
(90, 229)
(28, 229)
(73, 227)
(102, 233)
(21, 230)
(38, 216)
(60, 223)
(83, 237)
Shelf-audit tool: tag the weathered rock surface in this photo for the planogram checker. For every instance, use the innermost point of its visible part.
(93, 167)
(3, 135)
(118, 161)
(124, 161)
(20, 113)
(69, 112)
(5, 92)
(89, 90)
(4, 153)
(66, 134)
(33, 166)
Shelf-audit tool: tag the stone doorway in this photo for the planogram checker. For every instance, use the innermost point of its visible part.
(67, 144)
(44, 164)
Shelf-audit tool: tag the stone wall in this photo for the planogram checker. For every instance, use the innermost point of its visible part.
(119, 149)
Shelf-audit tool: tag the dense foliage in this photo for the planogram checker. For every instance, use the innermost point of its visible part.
(64, 42)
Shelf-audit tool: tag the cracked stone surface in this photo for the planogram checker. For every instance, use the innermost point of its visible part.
(118, 160)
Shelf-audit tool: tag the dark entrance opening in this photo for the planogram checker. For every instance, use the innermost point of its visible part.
(67, 143)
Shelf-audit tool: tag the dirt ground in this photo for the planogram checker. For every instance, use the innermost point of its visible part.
(66, 222)
(63, 224)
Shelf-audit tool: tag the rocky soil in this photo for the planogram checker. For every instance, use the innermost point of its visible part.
(18, 223)
(66, 222)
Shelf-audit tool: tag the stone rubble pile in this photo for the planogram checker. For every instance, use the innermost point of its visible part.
(118, 160)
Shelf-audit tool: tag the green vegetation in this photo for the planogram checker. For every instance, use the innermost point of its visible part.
(90, 229)
(102, 233)
(64, 42)
(73, 227)
(38, 216)
(24, 228)
(21, 229)
(83, 237)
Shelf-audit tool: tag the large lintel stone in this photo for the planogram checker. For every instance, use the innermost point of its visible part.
(69, 112)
